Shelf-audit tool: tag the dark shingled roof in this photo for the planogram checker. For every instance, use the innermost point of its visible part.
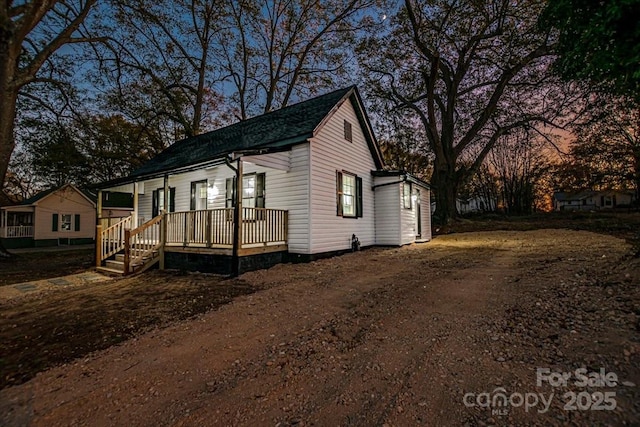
(41, 195)
(277, 129)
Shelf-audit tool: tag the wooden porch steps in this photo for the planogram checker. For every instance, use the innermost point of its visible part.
(138, 265)
(110, 271)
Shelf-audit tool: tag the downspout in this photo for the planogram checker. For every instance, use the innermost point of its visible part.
(237, 217)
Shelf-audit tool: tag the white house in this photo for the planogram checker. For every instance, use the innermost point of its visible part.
(297, 183)
(59, 216)
(592, 200)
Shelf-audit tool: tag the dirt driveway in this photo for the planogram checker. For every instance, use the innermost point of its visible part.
(396, 337)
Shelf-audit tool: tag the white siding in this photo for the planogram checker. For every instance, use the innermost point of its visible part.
(330, 152)
(408, 216)
(387, 200)
(407, 221)
(280, 160)
(425, 196)
(283, 190)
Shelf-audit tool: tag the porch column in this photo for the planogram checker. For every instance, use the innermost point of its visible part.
(98, 238)
(135, 205)
(237, 221)
(99, 206)
(163, 224)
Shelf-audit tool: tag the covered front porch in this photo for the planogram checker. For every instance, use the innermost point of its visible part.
(17, 227)
(210, 232)
(225, 216)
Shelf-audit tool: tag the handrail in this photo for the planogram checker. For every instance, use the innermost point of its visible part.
(146, 225)
(110, 240)
(142, 242)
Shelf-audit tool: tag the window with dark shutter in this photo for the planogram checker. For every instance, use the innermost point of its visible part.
(172, 199)
(339, 193)
(358, 197)
(348, 195)
(260, 190)
(348, 131)
(198, 195)
(155, 204)
(158, 203)
(230, 195)
(76, 222)
(54, 222)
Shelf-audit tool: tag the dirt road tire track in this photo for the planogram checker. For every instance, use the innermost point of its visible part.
(384, 337)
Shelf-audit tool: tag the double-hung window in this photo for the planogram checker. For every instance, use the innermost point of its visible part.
(253, 191)
(65, 222)
(348, 194)
(199, 195)
(158, 202)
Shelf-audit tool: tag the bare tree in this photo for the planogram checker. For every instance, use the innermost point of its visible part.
(471, 72)
(158, 60)
(520, 163)
(271, 51)
(31, 32)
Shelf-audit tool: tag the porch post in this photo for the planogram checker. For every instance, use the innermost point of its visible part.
(163, 223)
(99, 206)
(237, 221)
(98, 238)
(135, 205)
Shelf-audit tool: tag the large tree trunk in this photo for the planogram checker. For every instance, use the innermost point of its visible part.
(7, 144)
(7, 117)
(445, 187)
(9, 95)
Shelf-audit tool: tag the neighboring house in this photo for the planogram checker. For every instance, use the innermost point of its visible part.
(59, 216)
(297, 183)
(591, 200)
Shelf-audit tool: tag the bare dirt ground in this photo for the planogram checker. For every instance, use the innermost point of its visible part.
(24, 267)
(382, 337)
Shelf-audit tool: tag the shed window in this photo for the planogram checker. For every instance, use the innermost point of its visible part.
(348, 131)
(349, 195)
(406, 195)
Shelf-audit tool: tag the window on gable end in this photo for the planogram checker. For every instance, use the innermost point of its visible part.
(348, 131)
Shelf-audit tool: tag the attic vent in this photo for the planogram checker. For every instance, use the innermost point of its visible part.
(348, 134)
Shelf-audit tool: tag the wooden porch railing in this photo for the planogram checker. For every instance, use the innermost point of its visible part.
(142, 244)
(261, 225)
(214, 227)
(17, 231)
(110, 240)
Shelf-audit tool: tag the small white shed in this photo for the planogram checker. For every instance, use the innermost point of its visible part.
(402, 208)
